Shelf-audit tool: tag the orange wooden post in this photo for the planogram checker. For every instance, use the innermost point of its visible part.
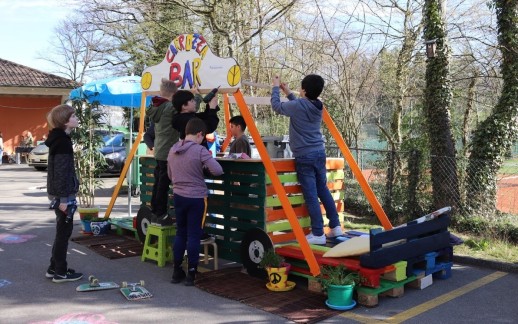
(376, 206)
(276, 182)
(226, 107)
(130, 156)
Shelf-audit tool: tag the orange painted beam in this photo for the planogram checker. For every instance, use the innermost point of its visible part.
(376, 206)
(226, 108)
(130, 156)
(270, 169)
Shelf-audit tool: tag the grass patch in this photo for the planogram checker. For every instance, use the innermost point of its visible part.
(486, 248)
(509, 166)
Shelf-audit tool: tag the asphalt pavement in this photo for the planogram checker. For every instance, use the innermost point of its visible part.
(472, 294)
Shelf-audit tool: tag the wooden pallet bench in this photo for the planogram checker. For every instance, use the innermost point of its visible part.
(407, 242)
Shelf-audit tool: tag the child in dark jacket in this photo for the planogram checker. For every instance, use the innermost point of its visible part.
(62, 187)
(185, 104)
(187, 162)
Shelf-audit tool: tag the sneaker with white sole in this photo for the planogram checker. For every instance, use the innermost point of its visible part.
(50, 273)
(335, 231)
(313, 239)
(67, 277)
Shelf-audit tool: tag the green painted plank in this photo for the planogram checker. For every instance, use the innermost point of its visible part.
(335, 175)
(284, 178)
(284, 225)
(275, 202)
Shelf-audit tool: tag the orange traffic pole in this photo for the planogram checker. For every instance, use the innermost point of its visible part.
(226, 107)
(277, 185)
(129, 158)
(376, 206)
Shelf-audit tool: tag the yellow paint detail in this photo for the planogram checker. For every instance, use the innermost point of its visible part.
(196, 64)
(145, 82)
(234, 75)
(188, 42)
(203, 51)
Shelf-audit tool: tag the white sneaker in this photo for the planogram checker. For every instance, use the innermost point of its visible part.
(312, 239)
(335, 231)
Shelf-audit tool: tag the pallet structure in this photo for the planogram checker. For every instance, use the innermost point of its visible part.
(264, 195)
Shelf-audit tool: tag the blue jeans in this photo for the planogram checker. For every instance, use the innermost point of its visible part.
(190, 218)
(311, 173)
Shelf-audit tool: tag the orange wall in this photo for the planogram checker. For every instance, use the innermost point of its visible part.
(22, 113)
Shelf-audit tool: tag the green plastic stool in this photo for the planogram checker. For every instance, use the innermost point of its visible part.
(160, 251)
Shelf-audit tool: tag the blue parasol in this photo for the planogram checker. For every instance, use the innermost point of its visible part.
(118, 91)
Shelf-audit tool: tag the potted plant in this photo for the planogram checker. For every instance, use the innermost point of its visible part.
(89, 160)
(339, 284)
(277, 270)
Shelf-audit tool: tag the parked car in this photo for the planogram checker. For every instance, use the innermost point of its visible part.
(114, 151)
(38, 157)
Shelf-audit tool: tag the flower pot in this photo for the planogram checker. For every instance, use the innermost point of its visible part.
(86, 226)
(88, 213)
(278, 277)
(340, 297)
(100, 227)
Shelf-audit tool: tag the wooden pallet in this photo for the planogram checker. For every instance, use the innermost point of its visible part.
(368, 277)
(437, 262)
(369, 297)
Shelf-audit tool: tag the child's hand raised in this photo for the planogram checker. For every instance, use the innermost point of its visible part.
(285, 88)
(276, 81)
(195, 90)
(213, 103)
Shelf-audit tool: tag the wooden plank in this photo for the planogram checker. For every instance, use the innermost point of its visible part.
(295, 188)
(276, 201)
(284, 225)
(410, 249)
(292, 177)
(273, 214)
(408, 232)
(297, 200)
(285, 165)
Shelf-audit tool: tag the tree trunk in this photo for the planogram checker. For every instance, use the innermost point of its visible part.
(495, 135)
(437, 109)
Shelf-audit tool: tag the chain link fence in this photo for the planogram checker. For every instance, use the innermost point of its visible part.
(402, 183)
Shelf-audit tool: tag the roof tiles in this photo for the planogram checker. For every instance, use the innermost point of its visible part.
(17, 75)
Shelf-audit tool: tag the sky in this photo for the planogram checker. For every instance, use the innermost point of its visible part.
(27, 28)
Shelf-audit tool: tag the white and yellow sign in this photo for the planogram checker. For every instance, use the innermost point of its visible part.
(189, 62)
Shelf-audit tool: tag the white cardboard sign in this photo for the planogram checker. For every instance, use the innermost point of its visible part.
(189, 61)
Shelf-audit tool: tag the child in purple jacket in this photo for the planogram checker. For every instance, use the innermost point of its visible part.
(187, 162)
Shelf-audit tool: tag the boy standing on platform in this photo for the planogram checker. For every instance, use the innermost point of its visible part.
(308, 149)
(188, 160)
(241, 143)
(161, 114)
